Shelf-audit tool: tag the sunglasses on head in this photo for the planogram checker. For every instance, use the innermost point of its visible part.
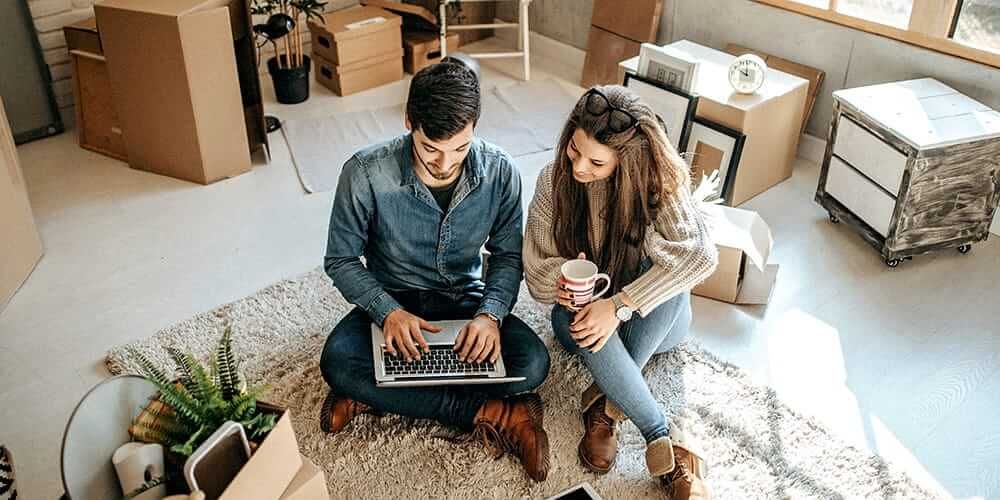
(619, 120)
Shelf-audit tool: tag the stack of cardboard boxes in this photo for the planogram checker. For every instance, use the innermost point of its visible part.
(358, 48)
(617, 33)
(421, 34)
(21, 246)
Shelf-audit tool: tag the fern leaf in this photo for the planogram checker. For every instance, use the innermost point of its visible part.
(186, 369)
(188, 447)
(186, 407)
(229, 378)
(149, 369)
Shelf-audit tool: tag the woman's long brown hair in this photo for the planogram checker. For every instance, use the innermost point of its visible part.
(649, 170)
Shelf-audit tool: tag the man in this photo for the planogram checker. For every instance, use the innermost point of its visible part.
(419, 209)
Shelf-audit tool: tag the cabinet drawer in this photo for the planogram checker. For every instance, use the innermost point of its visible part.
(869, 154)
(862, 197)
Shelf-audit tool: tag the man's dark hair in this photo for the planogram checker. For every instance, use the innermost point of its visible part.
(444, 99)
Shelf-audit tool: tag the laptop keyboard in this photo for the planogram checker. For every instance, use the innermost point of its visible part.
(441, 360)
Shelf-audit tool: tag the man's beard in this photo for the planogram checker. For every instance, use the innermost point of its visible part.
(432, 171)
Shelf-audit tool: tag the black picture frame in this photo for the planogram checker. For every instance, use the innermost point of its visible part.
(692, 105)
(736, 155)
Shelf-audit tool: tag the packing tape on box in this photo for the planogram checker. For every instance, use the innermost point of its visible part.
(365, 22)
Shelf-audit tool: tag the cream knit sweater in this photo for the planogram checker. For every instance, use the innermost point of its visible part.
(678, 243)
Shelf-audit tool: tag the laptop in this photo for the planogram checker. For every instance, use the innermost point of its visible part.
(438, 367)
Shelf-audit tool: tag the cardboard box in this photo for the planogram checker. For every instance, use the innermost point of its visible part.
(604, 50)
(744, 275)
(414, 17)
(815, 76)
(22, 247)
(174, 79)
(356, 35)
(82, 35)
(638, 22)
(308, 484)
(352, 78)
(273, 466)
(771, 118)
(423, 48)
(98, 127)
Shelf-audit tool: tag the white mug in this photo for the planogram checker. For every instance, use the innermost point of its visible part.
(580, 278)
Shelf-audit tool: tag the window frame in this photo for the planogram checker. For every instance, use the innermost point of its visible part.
(931, 25)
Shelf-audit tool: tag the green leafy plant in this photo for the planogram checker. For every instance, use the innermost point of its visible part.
(200, 400)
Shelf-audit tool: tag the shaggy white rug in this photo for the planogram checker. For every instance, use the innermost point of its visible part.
(757, 446)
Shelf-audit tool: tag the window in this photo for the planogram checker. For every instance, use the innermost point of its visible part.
(891, 12)
(978, 24)
(969, 29)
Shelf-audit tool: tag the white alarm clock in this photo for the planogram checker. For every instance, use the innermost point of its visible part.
(746, 73)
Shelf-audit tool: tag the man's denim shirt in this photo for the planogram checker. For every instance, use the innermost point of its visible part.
(384, 212)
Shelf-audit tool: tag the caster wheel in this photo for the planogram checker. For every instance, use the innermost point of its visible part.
(892, 262)
(965, 248)
(834, 219)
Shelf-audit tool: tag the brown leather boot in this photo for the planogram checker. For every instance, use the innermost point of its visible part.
(679, 469)
(515, 425)
(337, 412)
(599, 446)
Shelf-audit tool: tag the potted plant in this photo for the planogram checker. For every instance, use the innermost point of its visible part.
(190, 408)
(289, 68)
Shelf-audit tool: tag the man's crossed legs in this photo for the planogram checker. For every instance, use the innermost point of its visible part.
(507, 418)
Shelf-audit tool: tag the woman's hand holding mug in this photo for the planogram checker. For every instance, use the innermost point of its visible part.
(577, 281)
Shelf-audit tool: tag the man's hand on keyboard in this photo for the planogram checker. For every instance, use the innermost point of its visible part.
(403, 332)
(479, 340)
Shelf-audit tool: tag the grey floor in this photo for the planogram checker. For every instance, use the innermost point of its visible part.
(905, 362)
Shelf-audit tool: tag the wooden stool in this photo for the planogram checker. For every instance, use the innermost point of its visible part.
(521, 25)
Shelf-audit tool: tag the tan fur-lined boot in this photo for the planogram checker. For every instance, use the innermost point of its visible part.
(599, 445)
(678, 468)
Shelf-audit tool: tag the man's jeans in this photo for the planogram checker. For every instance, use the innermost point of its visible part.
(348, 368)
(617, 368)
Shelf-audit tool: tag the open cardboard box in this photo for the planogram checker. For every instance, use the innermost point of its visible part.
(308, 484)
(273, 466)
(744, 240)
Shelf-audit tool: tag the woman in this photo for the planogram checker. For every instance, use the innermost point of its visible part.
(619, 194)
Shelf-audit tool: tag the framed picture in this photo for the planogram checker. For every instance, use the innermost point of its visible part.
(714, 147)
(668, 66)
(674, 106)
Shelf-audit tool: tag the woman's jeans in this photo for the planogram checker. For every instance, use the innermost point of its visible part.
(617, 368)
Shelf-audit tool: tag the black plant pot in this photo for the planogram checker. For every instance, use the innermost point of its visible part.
(291, 85)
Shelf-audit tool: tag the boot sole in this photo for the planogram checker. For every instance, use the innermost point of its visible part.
(324, 412)
(536, 408)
